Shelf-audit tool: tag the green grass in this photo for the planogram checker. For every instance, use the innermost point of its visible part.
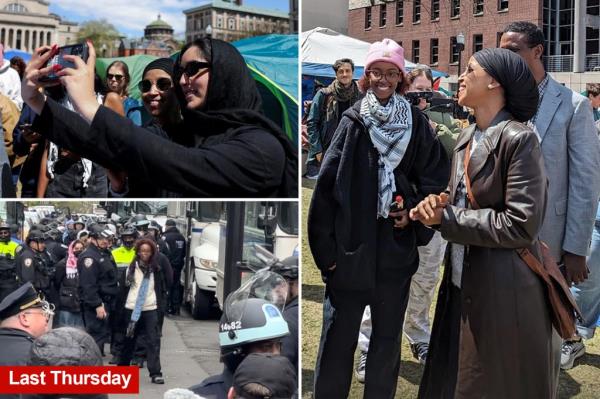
(582, 381)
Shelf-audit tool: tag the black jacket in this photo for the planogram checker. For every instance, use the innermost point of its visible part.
(245, 162)
(97, 277)
(289, 343)
(343, 227)
(67, 288)
(177, 246)
(15, 345)
(215, 386)
(34, 267)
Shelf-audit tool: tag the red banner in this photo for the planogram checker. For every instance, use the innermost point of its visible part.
(66, 380)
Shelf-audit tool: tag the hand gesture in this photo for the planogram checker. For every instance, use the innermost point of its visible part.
(429, 211)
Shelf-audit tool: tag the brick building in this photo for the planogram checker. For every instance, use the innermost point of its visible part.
(158, 40)
(428, 29)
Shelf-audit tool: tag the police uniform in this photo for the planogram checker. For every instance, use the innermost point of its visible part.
(33, 266)
(97, 286)
(123, 257)
(8, 275)
(216, 386)
(177, 246)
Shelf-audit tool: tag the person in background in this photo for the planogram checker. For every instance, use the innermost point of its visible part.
(66, 282)
(264, 376)
(326, 111)
(117, 81)
(177, 247)
(18, 64)
(10, 82)
(592, 92)
(564, 125)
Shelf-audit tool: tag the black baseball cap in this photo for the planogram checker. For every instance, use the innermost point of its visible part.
(274, 372)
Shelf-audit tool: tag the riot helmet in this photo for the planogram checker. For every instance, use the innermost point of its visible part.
(4, 232)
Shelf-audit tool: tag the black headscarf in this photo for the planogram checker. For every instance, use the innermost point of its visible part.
(515, 77)
(165, 64)
(233, 102)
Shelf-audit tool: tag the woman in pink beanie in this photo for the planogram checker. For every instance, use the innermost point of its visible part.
(384, 158)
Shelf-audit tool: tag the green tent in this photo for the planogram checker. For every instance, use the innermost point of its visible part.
(273, 62)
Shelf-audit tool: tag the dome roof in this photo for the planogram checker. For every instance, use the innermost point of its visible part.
(158, 24)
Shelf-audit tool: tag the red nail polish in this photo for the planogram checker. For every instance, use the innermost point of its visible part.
(56, 67)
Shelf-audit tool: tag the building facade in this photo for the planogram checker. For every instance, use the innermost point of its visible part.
(230, 20)
(294, 16)
(158, 41)
(28, 24)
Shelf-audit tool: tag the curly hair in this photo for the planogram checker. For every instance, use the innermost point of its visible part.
(153, 262)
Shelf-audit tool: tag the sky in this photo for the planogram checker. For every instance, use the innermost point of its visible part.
(131, 16)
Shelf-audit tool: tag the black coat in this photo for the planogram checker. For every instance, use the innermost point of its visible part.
(177, 246)
(289, 343)
(343, 227)
(15, 345)
(97, 277)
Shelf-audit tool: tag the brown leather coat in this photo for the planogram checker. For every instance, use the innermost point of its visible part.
(503, 334)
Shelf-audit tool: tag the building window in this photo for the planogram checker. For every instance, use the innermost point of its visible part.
(415, 51)
(477, 43)
(19, 39)
(453, 50)
(219, 22)
(242, 26)
(382, 14)
(17, 8)
(454, 8)
(231, 24)
(433, 51)
(399, 12)
(502, 5)
(416, 11)
(498, 38)
(477, 7)
(368, 18)
(435, 9)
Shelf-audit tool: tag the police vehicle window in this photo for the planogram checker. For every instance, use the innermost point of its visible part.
(288, 217)
(152, 208)
(256, 230)
(208, 211)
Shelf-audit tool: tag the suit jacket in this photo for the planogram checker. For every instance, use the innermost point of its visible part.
(571, 149)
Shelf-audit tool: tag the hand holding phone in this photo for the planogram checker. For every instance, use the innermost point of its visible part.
(59, 62)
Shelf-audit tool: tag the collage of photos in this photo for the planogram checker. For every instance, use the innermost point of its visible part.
(300, 199)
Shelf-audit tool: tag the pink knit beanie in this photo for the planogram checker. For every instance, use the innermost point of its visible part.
(386, 50)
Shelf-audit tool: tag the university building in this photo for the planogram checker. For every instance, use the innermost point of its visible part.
(230, 20)
(28, 24)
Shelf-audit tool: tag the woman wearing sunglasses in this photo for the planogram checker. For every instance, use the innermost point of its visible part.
(358, 227)
(117, 81)
(225, 148)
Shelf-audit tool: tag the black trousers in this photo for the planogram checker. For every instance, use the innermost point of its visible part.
(176, 291)
(343, 311)
(148, 323)
(98, 329)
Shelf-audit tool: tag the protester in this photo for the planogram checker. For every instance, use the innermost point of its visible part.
(24, 316)
(263, 376)
(229, 148)
(145, 284)
(326, 111)
(494, 206)
(571, 150)
(365, 249)
(66, 282)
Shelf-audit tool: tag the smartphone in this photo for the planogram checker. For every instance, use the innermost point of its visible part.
(74, 49)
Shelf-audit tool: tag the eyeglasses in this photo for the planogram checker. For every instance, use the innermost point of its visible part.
(46, 315)
(192, 68)
(391, 75)
(162, 84)
(117, 77)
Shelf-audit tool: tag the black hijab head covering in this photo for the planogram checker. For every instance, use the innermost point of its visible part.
(165, 64)
(232, 102)
(513, 74)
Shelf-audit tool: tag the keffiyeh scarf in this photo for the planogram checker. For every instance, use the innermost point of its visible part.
(390, 129)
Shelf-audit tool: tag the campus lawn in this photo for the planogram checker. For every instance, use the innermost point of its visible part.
(582, 381)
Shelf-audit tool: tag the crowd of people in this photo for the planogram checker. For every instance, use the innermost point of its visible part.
(199, 130)
(402, 188)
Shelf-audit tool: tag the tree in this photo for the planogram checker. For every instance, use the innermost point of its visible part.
(103, 35)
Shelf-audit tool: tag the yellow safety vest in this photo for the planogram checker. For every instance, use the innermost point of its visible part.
(8, 249)
(123, 256)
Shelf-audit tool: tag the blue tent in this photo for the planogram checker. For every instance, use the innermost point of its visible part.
(273, 61)
(17, 53)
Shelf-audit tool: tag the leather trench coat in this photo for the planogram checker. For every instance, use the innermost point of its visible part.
(503, 311)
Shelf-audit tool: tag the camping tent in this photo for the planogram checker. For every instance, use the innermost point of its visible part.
(9, 54)
(273, 62)
(321, 47)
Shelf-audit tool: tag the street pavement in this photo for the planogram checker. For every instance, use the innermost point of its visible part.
(189, 353)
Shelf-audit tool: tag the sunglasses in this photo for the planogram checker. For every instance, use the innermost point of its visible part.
(162, 84)
(192, 68)
(117, 77)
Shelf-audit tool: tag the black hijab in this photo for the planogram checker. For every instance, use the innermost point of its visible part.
(233, 102)
(515, 77)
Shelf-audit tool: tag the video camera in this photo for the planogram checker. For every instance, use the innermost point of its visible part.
(446, 105)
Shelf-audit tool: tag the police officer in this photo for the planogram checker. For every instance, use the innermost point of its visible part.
(177, 247)
(8, 275)
(155, 233)
(24, 316)
(98, 285)
(141, 223)
(33, 265)
(55, 247)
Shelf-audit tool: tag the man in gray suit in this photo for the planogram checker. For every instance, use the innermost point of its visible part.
(565, 126)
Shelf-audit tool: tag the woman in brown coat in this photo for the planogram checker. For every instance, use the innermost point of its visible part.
(492, 332)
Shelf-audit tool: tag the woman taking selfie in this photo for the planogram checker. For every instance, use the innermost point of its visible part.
(383, 148)
(492, 335)
(226, 148)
